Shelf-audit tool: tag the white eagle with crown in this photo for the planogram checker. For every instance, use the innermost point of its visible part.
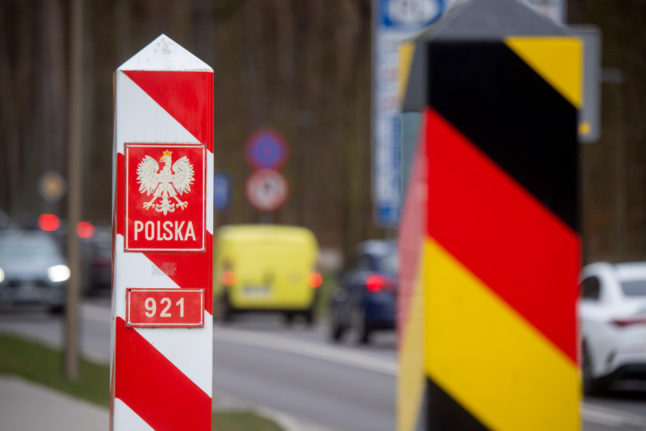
(167, 184)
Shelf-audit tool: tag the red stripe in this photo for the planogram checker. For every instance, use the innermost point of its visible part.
(186, 96)
(411, 234)
(190, 270)
(154, 388)
(515, 245)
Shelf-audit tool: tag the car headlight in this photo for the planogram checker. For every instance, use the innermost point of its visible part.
(58, 273)
(1, 275)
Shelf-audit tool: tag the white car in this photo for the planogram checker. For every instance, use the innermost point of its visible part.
(612, 313)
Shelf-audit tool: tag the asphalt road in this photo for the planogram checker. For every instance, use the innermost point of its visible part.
(296, 373)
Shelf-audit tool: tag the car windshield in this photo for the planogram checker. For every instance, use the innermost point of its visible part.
(636, 287)
(27, 247)
(389, 264)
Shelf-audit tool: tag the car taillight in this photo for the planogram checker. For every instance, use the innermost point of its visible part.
(229, 278)
(622, 323)
(314, 280)
(85, 229)
(375, 283)
(48, 222)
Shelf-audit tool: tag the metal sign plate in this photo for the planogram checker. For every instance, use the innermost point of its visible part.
(165, 197)
(164, 308)
(395, 22)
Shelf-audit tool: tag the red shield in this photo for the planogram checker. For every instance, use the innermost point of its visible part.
(165, 197)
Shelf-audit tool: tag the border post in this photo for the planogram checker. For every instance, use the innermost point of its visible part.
(489, 243)
(162, 332)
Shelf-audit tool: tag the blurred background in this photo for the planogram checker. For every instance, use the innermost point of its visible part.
(311, 81)
(304, 69)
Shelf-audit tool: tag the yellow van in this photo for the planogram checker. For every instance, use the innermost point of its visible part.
(265, 268)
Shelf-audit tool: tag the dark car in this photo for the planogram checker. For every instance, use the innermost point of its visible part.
(366, 299)
(99, 261)
(32, 270)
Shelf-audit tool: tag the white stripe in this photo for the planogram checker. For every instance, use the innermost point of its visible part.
(140, 119)
(126, 419)
(164, 53)
(134, 270)
(332, 354)
(188, 349)
(209, 191)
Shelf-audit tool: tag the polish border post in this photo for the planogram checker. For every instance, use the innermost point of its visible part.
(161, 335)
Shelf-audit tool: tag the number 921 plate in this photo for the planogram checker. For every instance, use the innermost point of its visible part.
(164, 308)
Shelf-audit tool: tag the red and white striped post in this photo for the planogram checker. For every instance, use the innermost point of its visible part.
(162, 334)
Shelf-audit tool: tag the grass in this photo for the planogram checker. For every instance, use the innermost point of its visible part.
(242, 421)
(44, 365)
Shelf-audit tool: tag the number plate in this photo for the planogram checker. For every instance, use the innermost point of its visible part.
(175, 308)
(256, 290)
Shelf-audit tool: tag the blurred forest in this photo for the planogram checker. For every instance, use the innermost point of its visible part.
(613, 170)
(302, 67)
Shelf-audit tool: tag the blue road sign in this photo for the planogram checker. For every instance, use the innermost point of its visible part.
(221, 191)
(409, 14)
(396, 21)
(266, 149)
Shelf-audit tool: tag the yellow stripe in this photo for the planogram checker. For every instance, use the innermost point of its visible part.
(412, 380)
(557, 59)
(406, 51)
(488, 358)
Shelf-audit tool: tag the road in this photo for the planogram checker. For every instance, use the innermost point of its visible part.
(296, 372)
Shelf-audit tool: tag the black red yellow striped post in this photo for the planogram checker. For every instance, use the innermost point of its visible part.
(489, 242)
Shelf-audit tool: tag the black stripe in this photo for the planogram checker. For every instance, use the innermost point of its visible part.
(512, 114)
(444, 413)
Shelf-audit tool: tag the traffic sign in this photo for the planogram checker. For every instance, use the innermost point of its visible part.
(409, 14)
(395, 22)
(266, 190)
(221, 191)
(266, 149)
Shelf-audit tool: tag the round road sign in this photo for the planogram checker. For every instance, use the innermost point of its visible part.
(266, 190)
(266, 149)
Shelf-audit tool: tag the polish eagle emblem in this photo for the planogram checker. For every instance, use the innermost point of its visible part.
(167, 184)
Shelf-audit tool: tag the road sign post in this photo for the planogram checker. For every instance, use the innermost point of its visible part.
(161, 349)
(395, 21)
(266, 188)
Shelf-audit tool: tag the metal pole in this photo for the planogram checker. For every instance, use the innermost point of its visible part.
(71, 341)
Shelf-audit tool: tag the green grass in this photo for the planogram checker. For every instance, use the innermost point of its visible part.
(44, 365)
(242, 421)
(41, 364)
